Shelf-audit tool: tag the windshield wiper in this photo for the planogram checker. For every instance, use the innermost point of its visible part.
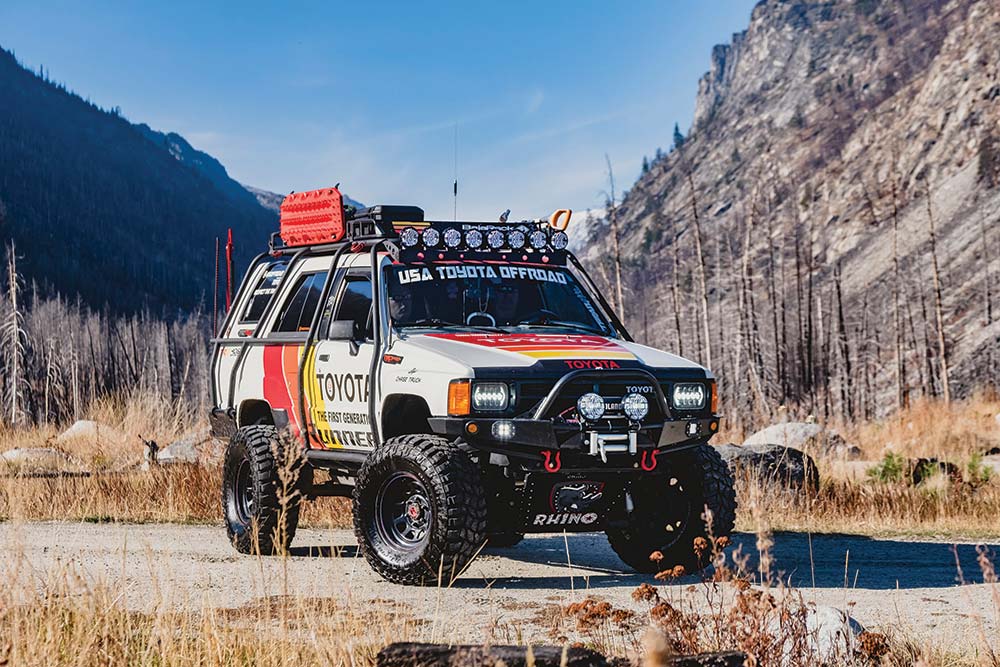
(562, 324)
(435, 323)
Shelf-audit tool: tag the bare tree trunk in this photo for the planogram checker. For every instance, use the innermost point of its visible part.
(987, 273)
(846, 383)
(615, 241)
(938, 306)
(701, 273)
(675, 288)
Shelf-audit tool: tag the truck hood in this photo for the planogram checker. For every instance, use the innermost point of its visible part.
(485, 350)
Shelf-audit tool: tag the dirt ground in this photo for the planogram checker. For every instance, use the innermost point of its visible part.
(913, 584)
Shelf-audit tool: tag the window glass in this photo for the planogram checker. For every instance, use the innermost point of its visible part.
(356, 303)
(262, 294)
(297, 313)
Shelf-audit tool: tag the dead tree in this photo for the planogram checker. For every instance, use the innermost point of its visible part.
(612, 207)
(674, 286)
(702, 279)
(987, 272)
(14, 342)
(938, 306)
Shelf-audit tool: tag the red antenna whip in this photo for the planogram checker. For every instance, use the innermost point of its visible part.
(229, 270)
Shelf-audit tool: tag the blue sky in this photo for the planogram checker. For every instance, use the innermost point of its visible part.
(368, 94)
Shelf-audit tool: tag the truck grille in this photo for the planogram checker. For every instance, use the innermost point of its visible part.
(530, 394)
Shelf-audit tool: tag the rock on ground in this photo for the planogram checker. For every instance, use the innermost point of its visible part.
(811, 438)
(772, 464)
(194, 447)
(36, 459)
(85, 428)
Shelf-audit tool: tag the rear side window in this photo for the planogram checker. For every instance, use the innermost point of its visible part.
(356, 303)
(297, 312)
(263, 293)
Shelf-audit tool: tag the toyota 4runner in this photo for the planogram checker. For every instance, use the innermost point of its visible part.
(464, 383)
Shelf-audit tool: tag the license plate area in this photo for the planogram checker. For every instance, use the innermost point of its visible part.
(556, 503)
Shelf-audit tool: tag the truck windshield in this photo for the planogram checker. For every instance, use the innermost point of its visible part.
(492, 296)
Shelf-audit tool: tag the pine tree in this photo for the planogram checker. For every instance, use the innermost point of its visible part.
(678, 137)
(645, 165)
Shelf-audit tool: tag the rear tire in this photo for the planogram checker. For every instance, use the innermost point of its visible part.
(262, 491)
(419, 509)
(667, 517)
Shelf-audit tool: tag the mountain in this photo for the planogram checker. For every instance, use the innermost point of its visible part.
(272, 200)
(817, 135)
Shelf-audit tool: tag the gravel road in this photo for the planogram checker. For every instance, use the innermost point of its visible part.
(888, 582)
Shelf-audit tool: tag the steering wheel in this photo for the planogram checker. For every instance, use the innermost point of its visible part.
(540, 316)
(481, 313)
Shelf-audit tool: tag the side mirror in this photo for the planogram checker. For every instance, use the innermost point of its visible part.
(343, 330)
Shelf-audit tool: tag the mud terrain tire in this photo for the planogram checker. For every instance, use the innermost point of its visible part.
(419, 509)
(255, 481)
(702, 480)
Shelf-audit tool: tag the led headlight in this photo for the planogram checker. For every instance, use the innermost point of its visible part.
(409, 237)
(590, 406)
(431, 237)
(452, 238)
(515, 239)
(538, 239)
(495, 239)
(559, 241)
(489, 396)
(474, 239)
(689, 396)
(635, 406)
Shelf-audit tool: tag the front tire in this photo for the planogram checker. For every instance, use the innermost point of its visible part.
(262, 488)
(419, 510)
(667, 515)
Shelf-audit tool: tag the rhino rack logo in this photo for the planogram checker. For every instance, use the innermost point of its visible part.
(565, 519)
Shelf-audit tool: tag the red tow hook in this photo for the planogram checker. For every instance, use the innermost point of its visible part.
(651, 464)
(550, 464)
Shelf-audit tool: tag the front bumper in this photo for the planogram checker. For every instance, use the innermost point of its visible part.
(531, 437)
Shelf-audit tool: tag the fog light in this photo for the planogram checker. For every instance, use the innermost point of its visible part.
(503, 430)
(692, 429)
(590, 406)
(495, 239)
(474, 239)
(452, 238)
(409, 237)
(431, 237)
(635, 406)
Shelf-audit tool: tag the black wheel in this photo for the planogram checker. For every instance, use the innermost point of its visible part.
(419, 509)
(503, 540)
(667, 513)
(261, 491)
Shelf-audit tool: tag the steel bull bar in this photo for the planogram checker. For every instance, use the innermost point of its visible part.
(536, 437)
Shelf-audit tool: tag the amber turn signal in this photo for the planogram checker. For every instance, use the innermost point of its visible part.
(715, 398)
(459, 398)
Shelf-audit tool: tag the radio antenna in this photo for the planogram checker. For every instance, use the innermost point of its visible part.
(455, 184)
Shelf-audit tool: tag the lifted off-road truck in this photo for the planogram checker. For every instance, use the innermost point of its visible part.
(464, 383)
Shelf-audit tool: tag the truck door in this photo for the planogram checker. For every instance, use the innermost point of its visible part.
(338, 388)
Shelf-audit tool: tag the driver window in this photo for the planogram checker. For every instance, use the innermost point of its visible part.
(356, 303)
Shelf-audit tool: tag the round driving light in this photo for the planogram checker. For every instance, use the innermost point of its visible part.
(538, 239)
(474, 238)
(515, 239)
(431, 237)
(409, 237)
(635, 406)
(495, 239)
(559, 241)
(590, 406)
(452, 238)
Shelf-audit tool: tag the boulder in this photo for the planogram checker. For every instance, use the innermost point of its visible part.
(91, 430)
(194, 447)
(785, 467)
(804, 436)
(831, 638)
(36, 459)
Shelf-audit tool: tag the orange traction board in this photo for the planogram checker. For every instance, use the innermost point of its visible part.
(312, 217)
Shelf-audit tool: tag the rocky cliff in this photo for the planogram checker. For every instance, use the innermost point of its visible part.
(817, 136)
